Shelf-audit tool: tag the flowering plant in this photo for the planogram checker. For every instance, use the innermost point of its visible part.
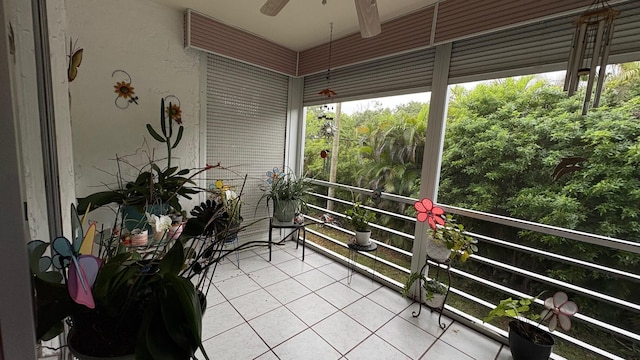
(445, 230)
(557, 311)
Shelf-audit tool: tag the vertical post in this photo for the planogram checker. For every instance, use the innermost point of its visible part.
(16, 327)
(333, 169)
(294, 145)
(432, 158)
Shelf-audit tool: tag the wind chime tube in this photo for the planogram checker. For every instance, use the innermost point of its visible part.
(572, 56)
(603, 66)
(579, 50)
(592, 70)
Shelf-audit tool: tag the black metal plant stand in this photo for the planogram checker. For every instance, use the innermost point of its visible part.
(441, 266)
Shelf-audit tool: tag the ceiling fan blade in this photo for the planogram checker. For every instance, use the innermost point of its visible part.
(273, 7)
(368, 18)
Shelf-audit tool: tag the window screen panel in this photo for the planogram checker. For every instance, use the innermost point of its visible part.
(246, 129)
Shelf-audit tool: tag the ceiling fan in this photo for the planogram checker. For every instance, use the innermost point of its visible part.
(367, 10)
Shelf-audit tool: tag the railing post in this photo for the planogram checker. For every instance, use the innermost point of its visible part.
(432, 158)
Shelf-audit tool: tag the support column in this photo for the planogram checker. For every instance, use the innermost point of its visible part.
(294, 154)
(432, 158)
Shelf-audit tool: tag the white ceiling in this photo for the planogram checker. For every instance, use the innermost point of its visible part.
(301, 24)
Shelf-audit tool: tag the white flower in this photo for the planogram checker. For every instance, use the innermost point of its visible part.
(230, 195)
(161, 223)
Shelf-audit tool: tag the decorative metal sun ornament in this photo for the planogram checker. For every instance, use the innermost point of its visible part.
(590, 50)
(124, 90)
(174, 112)
(328, 92)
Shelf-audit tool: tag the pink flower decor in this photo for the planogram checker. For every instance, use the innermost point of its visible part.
(558, 310)
(426, 211)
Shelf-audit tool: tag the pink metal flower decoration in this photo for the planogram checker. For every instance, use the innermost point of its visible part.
(426, 211)
(558, 310)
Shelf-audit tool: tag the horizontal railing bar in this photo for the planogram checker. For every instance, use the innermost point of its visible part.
(375, 258)
(376, 210)
(600, 240)
(587, 319)
(564, 336)
(580, 290)
(390, 247)
(566, 259)
(605, 241)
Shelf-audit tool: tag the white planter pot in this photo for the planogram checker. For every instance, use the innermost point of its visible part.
(285, 211)
(362, 238)
(437, 301)
(437, 250)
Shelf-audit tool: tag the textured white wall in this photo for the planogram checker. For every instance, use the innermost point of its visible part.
(144, 39)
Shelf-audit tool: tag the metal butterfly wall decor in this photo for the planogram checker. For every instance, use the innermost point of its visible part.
(75, 58)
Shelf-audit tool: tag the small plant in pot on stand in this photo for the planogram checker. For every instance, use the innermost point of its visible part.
(434, 292)
(359, 217)
(527, 340)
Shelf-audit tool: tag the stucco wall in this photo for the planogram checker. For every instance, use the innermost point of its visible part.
(145, 40)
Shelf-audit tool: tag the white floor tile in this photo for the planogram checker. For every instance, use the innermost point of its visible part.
(341, 331)
(277, 326)
(390, 299)
(403, 335)
(268, 276)
(427, 321)
(218, 319)
(314, 279)
(240, 342)
(269, 355)
(471, 342)
(311, 308)
(255, 304)
(214, 297)
(294, 267)
(253, 263)
(361, 284)
(339, 295)
(374, 348)
(443, 351)
(317, 260)
(335, 270)
(236, 286)
(278, 257)
(287, 290)
(505, 353)
(306, 346)
(368, 313)
(225, 271)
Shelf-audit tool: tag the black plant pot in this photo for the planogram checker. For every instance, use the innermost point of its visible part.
(528, 342)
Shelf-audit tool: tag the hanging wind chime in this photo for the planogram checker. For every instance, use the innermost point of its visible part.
(328, 92)
(590, 50)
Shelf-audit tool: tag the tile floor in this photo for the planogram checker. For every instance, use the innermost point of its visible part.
(289, 309)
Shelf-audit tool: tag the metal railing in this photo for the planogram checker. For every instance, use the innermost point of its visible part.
(541, 278)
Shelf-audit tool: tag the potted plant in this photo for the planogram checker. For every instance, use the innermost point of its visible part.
(434, 292)
(447, 240)
(286, 191)
(155, 190)
(123, 301)
(359, 217)
(527, 340)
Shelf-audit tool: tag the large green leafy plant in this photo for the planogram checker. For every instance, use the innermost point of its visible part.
(143, 300)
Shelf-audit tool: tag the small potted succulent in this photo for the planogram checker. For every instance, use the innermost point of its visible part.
(447, 240)
(359, 217)
(527, 340)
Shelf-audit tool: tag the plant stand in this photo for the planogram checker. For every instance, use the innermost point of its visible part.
(447, 267)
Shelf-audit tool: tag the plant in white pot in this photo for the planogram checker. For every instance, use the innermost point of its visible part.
(447, 239)
(527, 340)
(359, 217)
(286, 191)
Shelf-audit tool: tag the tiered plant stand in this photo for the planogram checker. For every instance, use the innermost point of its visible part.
(444, 266)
